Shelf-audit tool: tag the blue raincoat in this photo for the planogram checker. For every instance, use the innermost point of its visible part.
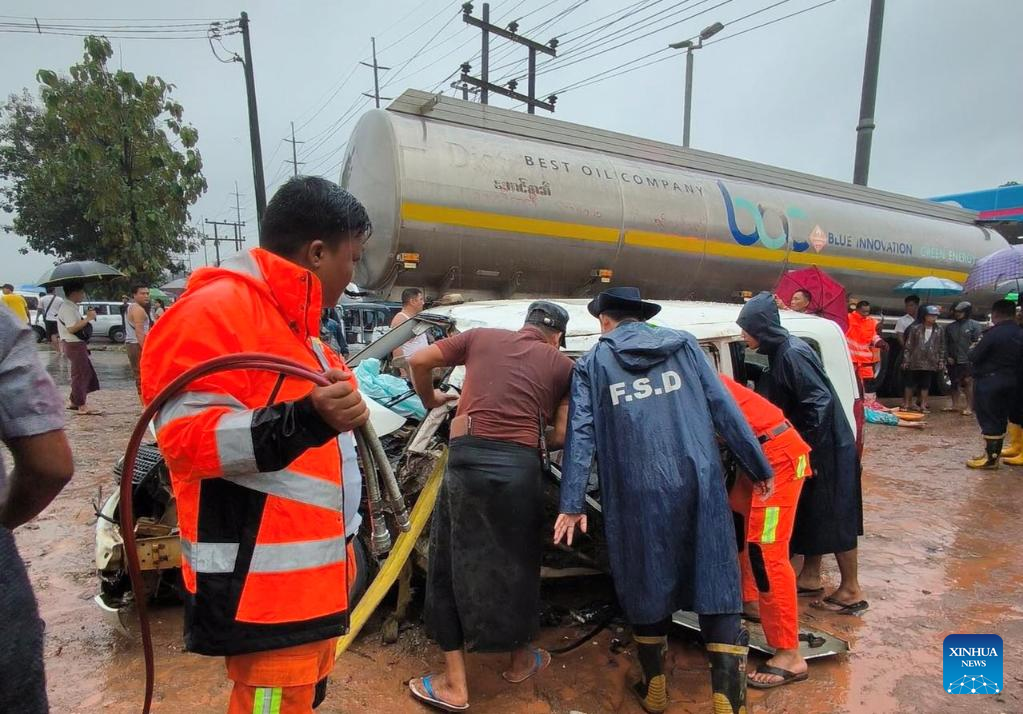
(647, 404)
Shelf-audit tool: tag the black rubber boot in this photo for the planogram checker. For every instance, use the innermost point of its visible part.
(653, 690)
(728, 674)
(992, 454)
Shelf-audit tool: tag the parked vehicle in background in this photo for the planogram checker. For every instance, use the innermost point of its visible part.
(366, 322)
(109, 320)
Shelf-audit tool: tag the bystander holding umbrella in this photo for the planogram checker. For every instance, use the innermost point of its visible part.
(930, 286)
(827, 295)
(78, 271)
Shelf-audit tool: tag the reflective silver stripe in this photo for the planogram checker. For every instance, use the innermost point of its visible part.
(352, 480)
(234, 444)
(321, 356)
(293, 486)
(242, 263)
(284, 557)
(192, 403)
(210, 557)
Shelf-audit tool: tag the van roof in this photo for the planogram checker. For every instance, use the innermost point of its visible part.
(705, 320)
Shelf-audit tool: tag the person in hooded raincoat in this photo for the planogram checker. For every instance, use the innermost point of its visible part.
(647, 404)
(829, 517)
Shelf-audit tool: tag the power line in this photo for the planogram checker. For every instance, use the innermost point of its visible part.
(329, 99)
(176, 31)
(577, 59)
(347, 116)
(198, 20)
(508, 51)
(624, 11)
(612, 72)
(417, 29)
(619, 32)
(769, 22)
(114, 28)
(420, 50)
(9, 31)
(631, 29)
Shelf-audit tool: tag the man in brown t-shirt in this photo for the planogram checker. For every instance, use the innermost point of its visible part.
(483, 585)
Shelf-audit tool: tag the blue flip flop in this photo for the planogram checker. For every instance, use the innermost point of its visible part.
(541, 660)
(429, 697)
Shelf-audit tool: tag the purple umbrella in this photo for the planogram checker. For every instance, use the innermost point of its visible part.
(1002, 266)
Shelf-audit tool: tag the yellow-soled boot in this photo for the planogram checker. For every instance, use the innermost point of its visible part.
(653, 695)
(991, 455)
(1013, 453)
(728, 675)
(653, 689)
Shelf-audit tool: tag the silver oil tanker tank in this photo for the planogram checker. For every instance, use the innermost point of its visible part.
(499, 203)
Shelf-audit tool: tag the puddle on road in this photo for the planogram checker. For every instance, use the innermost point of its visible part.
(111, 367)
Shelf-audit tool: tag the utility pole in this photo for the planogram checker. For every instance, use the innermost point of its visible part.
(868, 97)
(205, 253)
(235, 225)
(464, 88)
(483, 82)
(294, 152)
(691, 46)
(376, 77)
(237, 202)
(257, 150)
(238, 238)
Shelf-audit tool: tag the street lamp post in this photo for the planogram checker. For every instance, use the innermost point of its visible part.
(691, 46)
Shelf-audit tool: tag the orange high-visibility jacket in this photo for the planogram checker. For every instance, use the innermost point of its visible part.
(263, 551)
(786, 451)
(861, 337)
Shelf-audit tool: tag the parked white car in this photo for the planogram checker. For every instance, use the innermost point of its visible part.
(109, 322)
(713, 324)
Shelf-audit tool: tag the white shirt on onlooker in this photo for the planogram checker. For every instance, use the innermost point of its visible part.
(49, 307)
(419, 342)
(903, 324)
(67, 315)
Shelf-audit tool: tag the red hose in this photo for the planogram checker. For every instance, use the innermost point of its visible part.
(243, 360)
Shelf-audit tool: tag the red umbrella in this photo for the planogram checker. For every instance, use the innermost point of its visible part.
(827, 296)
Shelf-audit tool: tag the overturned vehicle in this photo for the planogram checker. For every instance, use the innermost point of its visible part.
(403, 459)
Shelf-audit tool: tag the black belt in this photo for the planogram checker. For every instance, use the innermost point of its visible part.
(776, 431)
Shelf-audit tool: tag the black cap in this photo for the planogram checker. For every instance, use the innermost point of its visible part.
(550, 315)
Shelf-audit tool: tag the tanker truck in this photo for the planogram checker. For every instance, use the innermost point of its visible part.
(492, 203)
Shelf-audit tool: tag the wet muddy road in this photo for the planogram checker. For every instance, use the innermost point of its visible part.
(942, 555)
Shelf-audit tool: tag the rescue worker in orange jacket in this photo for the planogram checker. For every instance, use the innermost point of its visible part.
(263, 466)
(864, 344)
(768, 580)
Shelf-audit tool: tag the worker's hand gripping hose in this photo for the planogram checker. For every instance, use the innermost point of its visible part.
(242, 361)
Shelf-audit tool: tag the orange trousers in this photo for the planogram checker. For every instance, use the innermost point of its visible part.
(279, 681)
(282, 681)
(767, 574)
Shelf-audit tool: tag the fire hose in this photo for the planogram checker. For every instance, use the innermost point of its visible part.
(242, 361)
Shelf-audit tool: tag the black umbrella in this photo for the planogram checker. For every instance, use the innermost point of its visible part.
(78, 271)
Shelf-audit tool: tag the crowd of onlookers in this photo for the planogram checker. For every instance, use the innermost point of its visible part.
(68, 323)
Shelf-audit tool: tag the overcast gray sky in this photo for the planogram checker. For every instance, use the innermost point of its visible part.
(948, 109)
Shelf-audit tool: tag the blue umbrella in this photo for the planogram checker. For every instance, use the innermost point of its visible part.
(1003, 267)
(931, 286)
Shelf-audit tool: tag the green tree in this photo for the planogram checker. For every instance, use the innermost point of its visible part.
(105, 169)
